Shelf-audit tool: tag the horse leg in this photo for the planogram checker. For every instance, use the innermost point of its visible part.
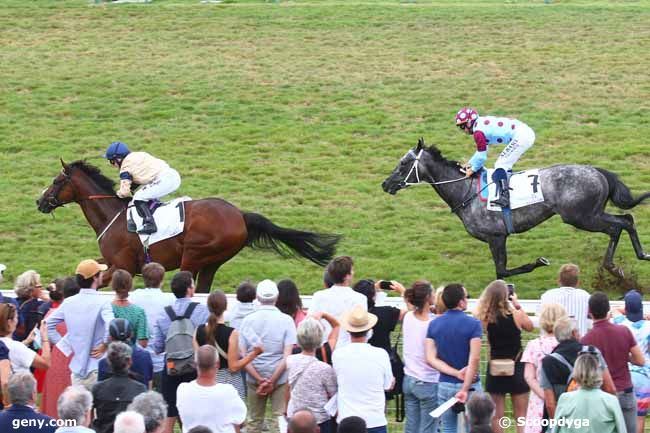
(634, 237)
(206, 276)
(612, 225)
(500, 257)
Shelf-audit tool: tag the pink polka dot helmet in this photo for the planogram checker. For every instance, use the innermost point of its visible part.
(466, 117)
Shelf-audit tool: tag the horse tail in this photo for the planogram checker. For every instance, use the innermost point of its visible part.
(262, 233)
(620, 194)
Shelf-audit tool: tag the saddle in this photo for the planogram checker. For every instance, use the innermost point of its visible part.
(169, 218)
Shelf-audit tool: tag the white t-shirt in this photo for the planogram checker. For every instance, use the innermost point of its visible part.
(153, 301)
(337, 300)
(217, 407)
(20, 356)
(575, 301)
(363, 372)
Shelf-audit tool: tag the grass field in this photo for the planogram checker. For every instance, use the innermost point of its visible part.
(299, 110)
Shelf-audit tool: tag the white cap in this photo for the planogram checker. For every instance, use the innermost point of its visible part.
(267, 289)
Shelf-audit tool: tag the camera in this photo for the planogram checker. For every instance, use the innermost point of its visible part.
(385, 285)
(511, 290)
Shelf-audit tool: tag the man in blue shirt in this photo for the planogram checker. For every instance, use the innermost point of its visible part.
(86, 316)
(182, 286)
(453, 347)
(21, 417)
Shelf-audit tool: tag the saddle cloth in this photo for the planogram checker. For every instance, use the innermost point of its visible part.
(526, 189)
(169, 218)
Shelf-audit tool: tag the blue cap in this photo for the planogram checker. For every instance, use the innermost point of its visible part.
(633, 306)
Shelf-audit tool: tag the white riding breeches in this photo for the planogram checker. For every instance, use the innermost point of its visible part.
(521, 142)
(168, 182)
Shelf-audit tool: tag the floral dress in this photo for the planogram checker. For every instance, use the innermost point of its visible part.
(535, 351)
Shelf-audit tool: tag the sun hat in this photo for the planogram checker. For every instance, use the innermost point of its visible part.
(633, 306)
(358, 320)
(267, 289)
(88, 268)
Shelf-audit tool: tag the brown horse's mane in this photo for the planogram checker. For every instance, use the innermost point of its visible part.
(106, 184)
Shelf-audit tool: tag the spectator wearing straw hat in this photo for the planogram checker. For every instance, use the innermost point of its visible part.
(363, 373)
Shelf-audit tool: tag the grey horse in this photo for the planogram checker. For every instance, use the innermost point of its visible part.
(578, 193)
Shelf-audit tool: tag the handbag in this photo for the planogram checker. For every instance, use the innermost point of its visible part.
(502, 367)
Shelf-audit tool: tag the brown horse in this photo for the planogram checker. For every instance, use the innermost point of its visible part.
(215, 230)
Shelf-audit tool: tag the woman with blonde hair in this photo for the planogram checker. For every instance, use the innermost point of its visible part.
(589, 403)
(535, 351)
(503, 319)
(30, 296)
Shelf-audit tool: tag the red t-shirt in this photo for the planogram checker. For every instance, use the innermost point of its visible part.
(615, 342)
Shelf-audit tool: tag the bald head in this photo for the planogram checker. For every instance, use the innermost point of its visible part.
(206, 358)
(303, 421)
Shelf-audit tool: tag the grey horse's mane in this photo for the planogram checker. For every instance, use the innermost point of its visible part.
(437, 156)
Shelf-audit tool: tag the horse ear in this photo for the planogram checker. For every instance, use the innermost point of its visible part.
(420, 143)
(64, 165)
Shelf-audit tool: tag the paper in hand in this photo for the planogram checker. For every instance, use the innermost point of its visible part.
(437, 412)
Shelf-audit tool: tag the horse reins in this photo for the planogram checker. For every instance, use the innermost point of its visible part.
(415, 166)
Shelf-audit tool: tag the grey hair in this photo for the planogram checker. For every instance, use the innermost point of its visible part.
(129, 422)
(310, 334)
(21, 388)
(587, 371)
(480, 409)
(563, 329)
(118, 356)
(152, 407)
(74, 404)
(25, 283)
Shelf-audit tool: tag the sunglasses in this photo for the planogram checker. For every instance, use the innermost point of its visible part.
(588, 350)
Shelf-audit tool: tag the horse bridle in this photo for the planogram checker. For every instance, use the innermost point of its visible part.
(53, 200)
(415, 167)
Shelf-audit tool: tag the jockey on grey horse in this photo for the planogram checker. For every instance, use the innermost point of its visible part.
(155, 176)
(487, 130)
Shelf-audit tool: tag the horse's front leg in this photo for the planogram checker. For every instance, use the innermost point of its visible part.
(500, 257)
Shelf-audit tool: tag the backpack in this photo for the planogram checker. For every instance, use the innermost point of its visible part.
(178, 344)
(571, 384)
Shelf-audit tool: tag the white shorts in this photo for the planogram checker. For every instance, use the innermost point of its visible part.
(168, 182)
(521, 142)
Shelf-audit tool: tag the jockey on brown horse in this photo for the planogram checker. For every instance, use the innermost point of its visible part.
(157, 179)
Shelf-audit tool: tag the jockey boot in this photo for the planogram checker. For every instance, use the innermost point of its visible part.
(504, 194)
(148, 224)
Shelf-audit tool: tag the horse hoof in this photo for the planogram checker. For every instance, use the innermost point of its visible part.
(543, 261)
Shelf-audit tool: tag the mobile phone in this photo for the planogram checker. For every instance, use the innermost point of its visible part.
(511, 289)
(385, 285)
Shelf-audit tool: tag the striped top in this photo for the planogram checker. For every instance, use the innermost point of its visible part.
(575, 301)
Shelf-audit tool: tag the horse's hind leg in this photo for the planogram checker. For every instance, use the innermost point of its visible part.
(206, 276)
(500, 257)
(634, 237)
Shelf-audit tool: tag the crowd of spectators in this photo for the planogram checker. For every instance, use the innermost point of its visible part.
(74, 361)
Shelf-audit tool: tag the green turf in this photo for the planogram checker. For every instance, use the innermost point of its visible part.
(299, 110)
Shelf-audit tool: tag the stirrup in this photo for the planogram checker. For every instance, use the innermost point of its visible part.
(148, 229)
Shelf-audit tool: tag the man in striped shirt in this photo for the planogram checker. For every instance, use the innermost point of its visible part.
(574, 300)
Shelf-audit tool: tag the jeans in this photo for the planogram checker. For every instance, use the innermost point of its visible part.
(447, 390)
(328, 426)
(627, 400)
(382, 429)
(420, 398)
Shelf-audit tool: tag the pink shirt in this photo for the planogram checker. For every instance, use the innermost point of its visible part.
(415, 361)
